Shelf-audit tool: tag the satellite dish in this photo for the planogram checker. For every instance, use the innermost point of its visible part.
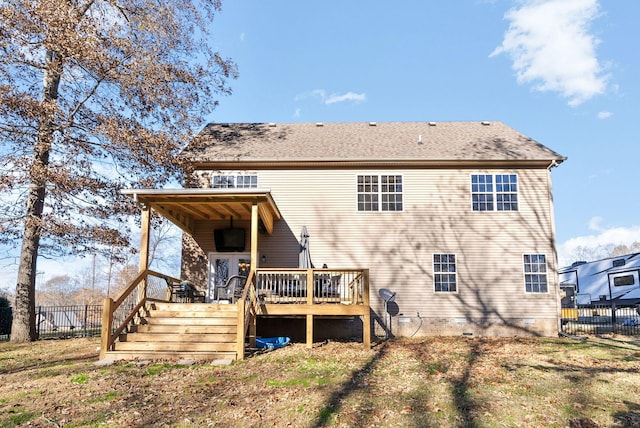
(387, 295)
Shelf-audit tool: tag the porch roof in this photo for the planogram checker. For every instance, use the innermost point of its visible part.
(184, 207)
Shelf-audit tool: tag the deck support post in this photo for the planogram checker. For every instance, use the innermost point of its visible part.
(309, 331)
(366, 318)
(309, 302)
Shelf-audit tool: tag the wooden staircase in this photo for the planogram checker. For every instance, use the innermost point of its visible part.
(173, 331)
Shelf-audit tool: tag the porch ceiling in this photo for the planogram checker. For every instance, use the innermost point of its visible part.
(184, 207)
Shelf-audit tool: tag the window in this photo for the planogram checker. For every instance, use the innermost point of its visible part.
(233, 181)
(497, 192)
(444, 273)
(620, 281)
(379, 193)
(535, 273)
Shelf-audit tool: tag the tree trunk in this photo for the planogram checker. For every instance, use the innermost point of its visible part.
(23, 328)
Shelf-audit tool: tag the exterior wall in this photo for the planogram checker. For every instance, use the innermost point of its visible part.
(398, 247)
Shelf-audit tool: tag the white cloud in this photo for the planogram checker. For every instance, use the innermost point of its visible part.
(597, 244)
(322, 95)
(594, 224)
(297, 113)
(604, 114)
(551, 47)
(242, 36)
(349, 96)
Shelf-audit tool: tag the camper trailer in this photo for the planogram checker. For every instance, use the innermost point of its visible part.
(594, 283)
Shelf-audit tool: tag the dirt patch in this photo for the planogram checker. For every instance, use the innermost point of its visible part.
(420, 382)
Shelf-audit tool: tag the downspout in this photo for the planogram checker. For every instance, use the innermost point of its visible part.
(552, 224)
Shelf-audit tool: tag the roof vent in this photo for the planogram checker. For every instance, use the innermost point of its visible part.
(485, 123)
(420, 139)
(432, 123)
(372, 123)
(272, 124)
(319, 124)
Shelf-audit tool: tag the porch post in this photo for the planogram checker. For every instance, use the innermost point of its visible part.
(143, 265)
(254, 237)
(145, 221)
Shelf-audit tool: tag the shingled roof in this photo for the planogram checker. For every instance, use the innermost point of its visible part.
(365, 142)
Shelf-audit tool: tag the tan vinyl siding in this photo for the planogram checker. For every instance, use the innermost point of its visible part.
(398, 247)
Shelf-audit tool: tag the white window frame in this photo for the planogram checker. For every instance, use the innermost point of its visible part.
(233, 177)
(496, 193)
(377, 196)
(535, 268)
(441, 272)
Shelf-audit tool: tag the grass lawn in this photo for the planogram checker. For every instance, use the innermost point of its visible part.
(427, 382)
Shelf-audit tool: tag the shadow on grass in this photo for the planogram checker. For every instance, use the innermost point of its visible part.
(629, 418)
(463, 402)
(354, 384)
(34, 362)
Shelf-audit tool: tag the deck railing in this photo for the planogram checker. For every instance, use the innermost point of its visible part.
(118, 314)
(312, 286)
(247, 314)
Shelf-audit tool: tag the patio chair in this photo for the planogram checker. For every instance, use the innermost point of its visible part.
(232, 289)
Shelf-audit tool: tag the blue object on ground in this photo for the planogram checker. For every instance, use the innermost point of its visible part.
(272, 342)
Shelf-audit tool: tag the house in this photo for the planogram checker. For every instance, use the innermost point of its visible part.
(456, 218)
(601, 281)
(423, 228)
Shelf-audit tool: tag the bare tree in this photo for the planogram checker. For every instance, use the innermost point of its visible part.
(95, 95)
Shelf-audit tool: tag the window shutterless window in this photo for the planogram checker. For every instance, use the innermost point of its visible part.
(535, 273)
(620, 281)
(235, 181)
(379, 192)
(497, 192)
(444, 273)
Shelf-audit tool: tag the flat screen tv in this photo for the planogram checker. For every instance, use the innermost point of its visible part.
(229, 240)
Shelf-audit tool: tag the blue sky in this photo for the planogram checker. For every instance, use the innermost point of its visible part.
(564, 72)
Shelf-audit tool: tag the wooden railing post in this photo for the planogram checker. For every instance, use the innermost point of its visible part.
(310, 302)
(107, 323)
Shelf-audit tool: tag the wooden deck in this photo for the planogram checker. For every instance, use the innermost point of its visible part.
(143, 322)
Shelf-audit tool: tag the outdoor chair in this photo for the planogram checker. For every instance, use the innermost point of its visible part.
(232, 289)
(185, 292)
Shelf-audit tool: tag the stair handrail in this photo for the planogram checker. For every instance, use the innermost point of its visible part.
(247, 312)
(110, 306)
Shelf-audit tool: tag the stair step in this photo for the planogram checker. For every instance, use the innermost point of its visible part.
(175, 346)
(159, 355)
(180, 337)
(199, 307)
(209, 321)
(192, 314)
(182, 329)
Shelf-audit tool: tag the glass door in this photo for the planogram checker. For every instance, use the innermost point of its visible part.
(222, 266)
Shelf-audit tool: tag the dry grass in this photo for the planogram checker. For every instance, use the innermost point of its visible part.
(439, 382)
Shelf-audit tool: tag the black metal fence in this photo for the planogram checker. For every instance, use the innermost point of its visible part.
(57, 322)
(601, 319)
(6, 316)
